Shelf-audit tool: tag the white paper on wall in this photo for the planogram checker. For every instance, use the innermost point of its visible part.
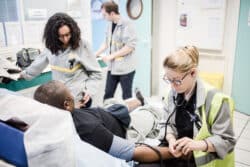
(212, 4)
(14, 33)
(37, 13)
(33, 31)
(215, 31)
(199, 26)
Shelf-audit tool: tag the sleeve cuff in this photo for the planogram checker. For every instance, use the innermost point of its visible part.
(122, 148)
(216, 142)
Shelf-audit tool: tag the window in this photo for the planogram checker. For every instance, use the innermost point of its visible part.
(9, 22)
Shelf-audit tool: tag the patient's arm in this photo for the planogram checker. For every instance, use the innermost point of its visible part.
(125, 149)
(146, 154)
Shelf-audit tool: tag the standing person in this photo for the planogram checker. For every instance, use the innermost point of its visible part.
(69, 57)
(120, 42)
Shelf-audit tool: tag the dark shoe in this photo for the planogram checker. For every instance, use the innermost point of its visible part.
(139, 96)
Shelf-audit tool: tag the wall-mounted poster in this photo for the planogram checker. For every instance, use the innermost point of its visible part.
(200, 26)
(14, 33)
(33, 31)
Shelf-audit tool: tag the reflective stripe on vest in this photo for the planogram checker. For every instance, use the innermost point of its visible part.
(117, 44)
(204, 159)
(65, 70)
(210, 110)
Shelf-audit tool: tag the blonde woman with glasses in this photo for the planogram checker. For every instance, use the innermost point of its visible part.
(199, 129)
(199, 117)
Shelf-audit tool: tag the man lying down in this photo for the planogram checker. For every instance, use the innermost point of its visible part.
(51, 139)
(103, 128)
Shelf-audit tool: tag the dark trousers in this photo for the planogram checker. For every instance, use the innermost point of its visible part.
(126, 82)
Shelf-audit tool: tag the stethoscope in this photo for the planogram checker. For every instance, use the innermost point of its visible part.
(193, 116)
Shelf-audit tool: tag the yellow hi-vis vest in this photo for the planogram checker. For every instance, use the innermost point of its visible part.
(210, 109)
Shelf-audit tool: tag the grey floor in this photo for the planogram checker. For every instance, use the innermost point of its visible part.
(242, 131)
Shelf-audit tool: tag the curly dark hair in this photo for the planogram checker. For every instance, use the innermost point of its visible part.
(51, 36)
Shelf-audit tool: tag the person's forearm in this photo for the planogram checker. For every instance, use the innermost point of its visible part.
(170, 137)
(101, 49)
(146, 154)
(36, 67)
(122, 52)
(92, 83)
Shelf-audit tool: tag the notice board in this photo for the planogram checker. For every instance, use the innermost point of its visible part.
(201, 23)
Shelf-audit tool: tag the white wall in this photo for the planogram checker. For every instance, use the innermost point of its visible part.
(230, 39)
(163, 41)
(164, 32)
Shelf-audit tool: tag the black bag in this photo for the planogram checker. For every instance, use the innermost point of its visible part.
(26, 56)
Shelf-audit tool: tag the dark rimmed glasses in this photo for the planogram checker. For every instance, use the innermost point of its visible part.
(175, 81)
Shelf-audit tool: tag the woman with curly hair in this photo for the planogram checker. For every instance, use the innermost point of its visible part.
(69, 57)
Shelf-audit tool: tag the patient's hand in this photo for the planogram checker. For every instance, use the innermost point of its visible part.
(85, 102)
(79, 104)
(85, 98)
(172, 148)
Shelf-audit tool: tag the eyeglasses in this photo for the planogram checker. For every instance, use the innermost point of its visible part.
(61, 36)
(175, 81)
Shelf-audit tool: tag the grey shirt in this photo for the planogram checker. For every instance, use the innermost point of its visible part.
(123, 35)
(78, 69)
(222, 132)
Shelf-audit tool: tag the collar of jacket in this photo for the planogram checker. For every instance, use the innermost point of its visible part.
(120, 22)
(200, 93)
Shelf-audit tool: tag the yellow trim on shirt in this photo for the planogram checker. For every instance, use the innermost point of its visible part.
(119, 58)
(65, 70)
(116, 43)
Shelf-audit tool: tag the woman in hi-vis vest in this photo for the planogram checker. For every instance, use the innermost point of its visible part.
(199, 129)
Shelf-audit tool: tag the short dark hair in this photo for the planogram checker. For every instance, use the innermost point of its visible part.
(51, 36)
(110, 6)
(51, 93)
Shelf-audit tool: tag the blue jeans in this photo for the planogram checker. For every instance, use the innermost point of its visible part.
(126, 82)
